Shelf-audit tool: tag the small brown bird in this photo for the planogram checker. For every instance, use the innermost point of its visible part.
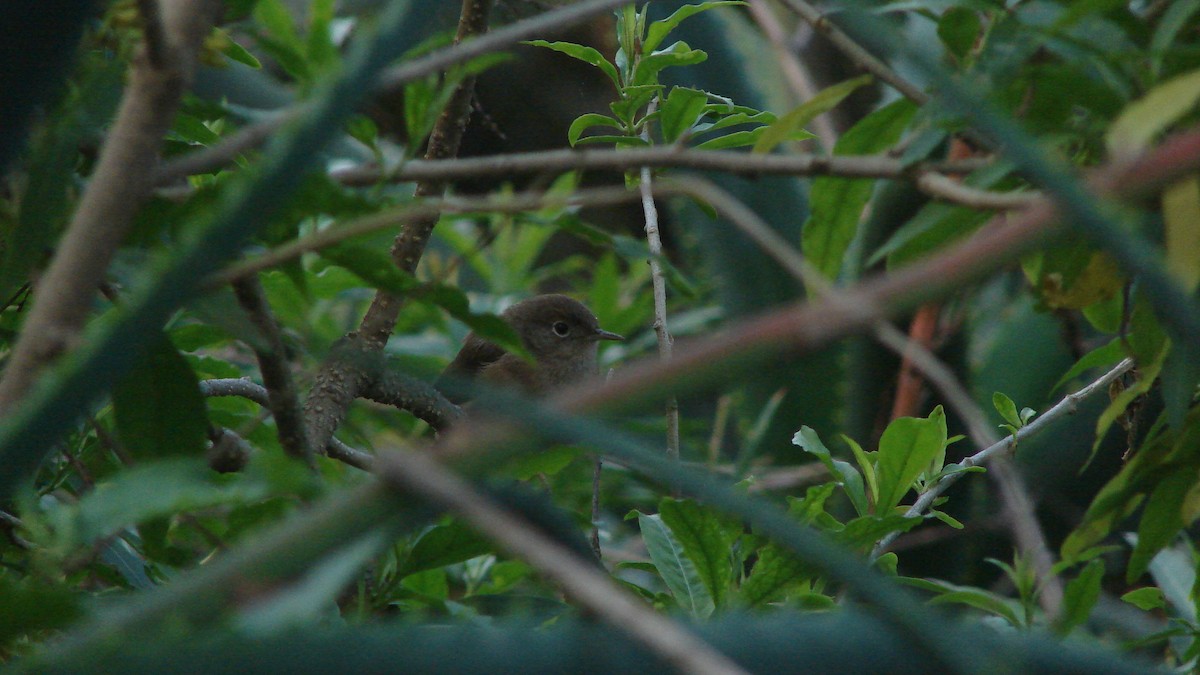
(560, 333)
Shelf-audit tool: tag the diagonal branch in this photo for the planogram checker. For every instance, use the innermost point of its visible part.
(283, 398)
(121, 181)
(586, 584)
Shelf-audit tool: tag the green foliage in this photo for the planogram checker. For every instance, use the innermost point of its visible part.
(113, 521)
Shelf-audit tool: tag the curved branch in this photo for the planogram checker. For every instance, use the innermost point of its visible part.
(243, 388)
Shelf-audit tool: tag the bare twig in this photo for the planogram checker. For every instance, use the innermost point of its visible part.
(284, 400)
(659, 284)
(118, 185)
(1026, 529)
(630, 159)
(513, 203)
(939, 186)
(855, 52)
(793, 70)
(1064, 407)
(583, 582)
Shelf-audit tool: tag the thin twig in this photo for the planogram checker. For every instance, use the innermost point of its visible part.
(793, 70)
(631, 159)
(585, 583)
(1066, 406)
(855, 52)
(284, 399)
(659, 285)
(1019, 507)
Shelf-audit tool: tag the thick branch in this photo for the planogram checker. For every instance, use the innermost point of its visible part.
(121, 180)
(335, 449)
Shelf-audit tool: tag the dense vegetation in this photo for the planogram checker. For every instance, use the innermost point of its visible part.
(914, 283)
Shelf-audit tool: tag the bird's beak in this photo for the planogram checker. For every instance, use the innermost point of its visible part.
(602, 334)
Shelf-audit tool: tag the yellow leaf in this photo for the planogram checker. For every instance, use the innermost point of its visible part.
(1141, 121)
(1098, 281)
(1181, 211)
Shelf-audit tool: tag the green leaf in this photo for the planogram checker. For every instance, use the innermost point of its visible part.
(314, 594)
(587, 121)
(1145, 599)
(1080, 596)
(867, 465)
(1007, 409)
(794, 121)
(862, 533)
(677, 570)
(158, 406)
(707, 541)
(775, 571)
(443, 545)
(946, 592)
(619, 141)
(946, 518)
(678, 54)
(852, 480)
(1169, 25)
(681, 109)
(811, 509)
(585, 54)
(547, 462)
(633, 98)
(1143, 120)
(1164, 452)
(370, 264)
(30, 607)
(319, 49)
(1108, 355)
(659, 30)
(1118, 405)
(236, 52)
(153, 490)
(1162, 518)
(907, 448)
(958, 29)
(737, 139)
(727, 117)
(281, 39)
(837, 203)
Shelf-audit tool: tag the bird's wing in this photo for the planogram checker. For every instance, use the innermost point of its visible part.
(475, 355)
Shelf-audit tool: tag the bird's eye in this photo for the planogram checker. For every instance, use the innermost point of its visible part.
(561, 329)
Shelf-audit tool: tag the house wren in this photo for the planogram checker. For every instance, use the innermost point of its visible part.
(560, 334)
